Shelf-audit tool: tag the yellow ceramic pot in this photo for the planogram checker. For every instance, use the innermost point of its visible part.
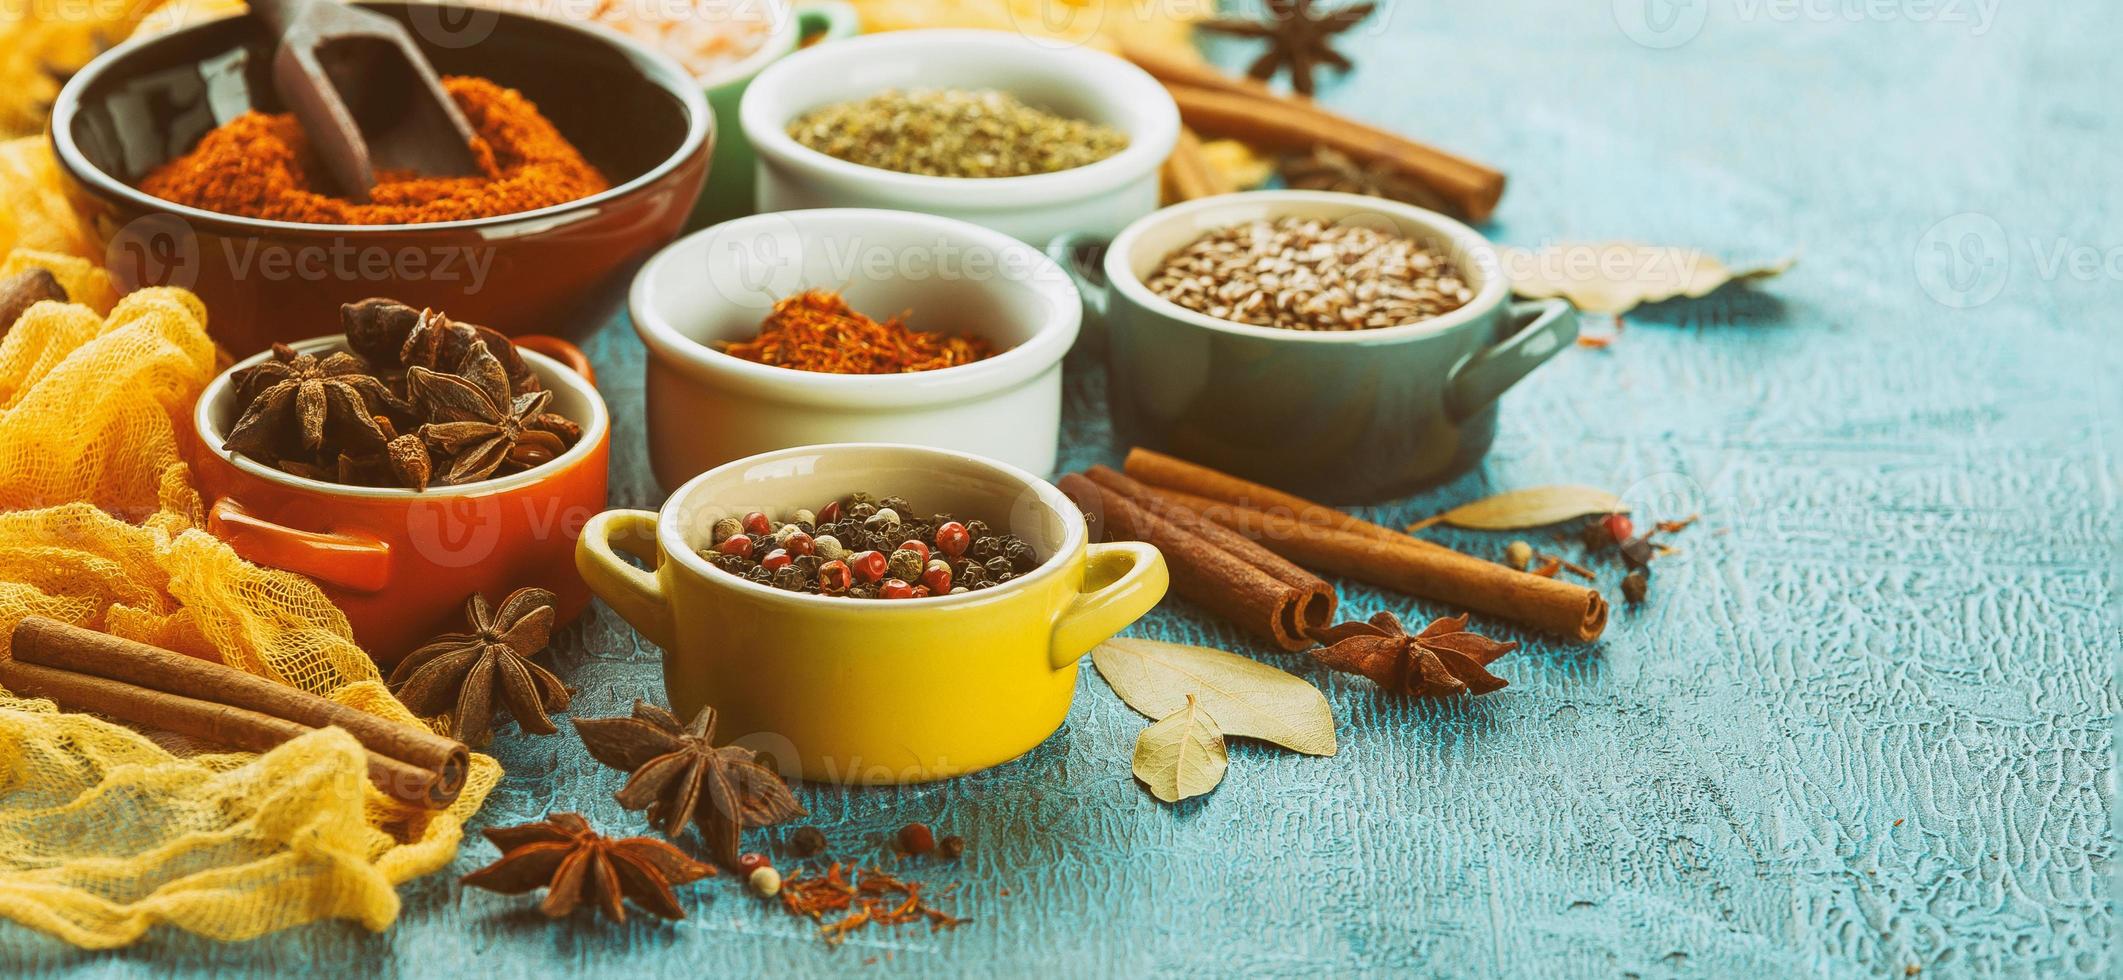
(865, 690)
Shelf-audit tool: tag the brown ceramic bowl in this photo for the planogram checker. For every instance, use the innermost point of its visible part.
(634, 113)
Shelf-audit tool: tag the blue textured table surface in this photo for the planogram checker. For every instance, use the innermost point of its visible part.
(1864, 723)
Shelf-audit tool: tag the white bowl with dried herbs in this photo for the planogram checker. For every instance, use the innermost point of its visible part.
(991, 127)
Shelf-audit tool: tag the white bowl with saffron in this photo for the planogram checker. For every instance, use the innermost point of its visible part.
(719, 286)
(1065, 80)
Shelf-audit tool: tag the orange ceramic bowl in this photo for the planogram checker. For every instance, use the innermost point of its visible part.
(401, 563)
(634, 113)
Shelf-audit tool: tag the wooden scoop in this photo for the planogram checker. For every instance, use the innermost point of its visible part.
(366, 96)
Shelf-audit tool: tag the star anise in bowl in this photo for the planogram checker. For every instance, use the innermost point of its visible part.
(414, 398)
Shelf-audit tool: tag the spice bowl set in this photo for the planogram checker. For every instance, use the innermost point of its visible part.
(892, 321)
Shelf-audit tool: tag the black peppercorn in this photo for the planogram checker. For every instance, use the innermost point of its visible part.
(952, 846)
(987, 547)
(1635, 586)
(861, 511)
(791, 578)
(1000, 568)
(970, 575)
(1020, 554)
(978, 529)
(807, 841)
(898, 503)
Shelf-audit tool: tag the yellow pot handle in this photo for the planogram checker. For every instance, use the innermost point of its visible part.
(1126, 579)
(637, 596)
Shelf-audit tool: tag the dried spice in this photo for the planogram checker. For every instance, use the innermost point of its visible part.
(1442, 660)
(867, 549)
(1246, 697)
(817, 331)
(1529, 507)
(259, 166)
(578, 866)
(1612, 278)
(1298, 38)
(877, 897)
(806, 841)
(1182, 755)
(1635, 586)
(416, 398)
(679, 775)
(955, 133)
(297, 400)
(466, 672)
(473, 418)
(25, 289)
(1299, 273)
(1325, 168)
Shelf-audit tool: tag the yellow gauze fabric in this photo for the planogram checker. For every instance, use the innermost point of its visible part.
(103, 831)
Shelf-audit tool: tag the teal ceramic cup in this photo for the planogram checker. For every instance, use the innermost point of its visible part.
(729, 192)
(1346, 416)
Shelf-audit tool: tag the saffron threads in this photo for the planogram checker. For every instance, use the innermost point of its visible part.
(817, 331)
(877, 897)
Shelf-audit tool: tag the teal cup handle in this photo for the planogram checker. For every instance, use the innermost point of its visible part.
(826, 20)
(1540, 330)
(1090, 282)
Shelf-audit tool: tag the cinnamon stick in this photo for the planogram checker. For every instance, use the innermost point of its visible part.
(1472, 189)
(1258, 600)
(1172, 473)
(1188, 173)
(192, 682)
(221, 724)
(1321, 537)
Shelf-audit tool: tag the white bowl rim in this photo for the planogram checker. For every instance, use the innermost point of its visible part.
(778, 42)
(1049, 343)
(1075, 535)
(1119, 82)
(551, 373)
(1465, 239)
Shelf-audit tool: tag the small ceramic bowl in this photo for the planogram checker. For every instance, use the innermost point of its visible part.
(706, 408)
(634, 114)
(730, 194)
(1346, 416)
(867, 690)
(1071, 80)
(400, 563)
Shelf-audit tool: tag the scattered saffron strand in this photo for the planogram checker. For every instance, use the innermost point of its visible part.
(816, 330)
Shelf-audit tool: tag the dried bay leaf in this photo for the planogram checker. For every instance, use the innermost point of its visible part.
(1182, 755)
(1609, 278)
(1531, 507)
(1246, 697)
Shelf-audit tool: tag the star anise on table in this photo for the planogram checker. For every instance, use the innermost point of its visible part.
(578, 866)
(679, 775)
(464, 673)
(1329, 169)
(296, 400)
(1444, 659)
(1298, 38)
(475, 420)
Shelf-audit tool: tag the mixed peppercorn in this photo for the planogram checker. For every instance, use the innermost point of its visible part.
(868, 548)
